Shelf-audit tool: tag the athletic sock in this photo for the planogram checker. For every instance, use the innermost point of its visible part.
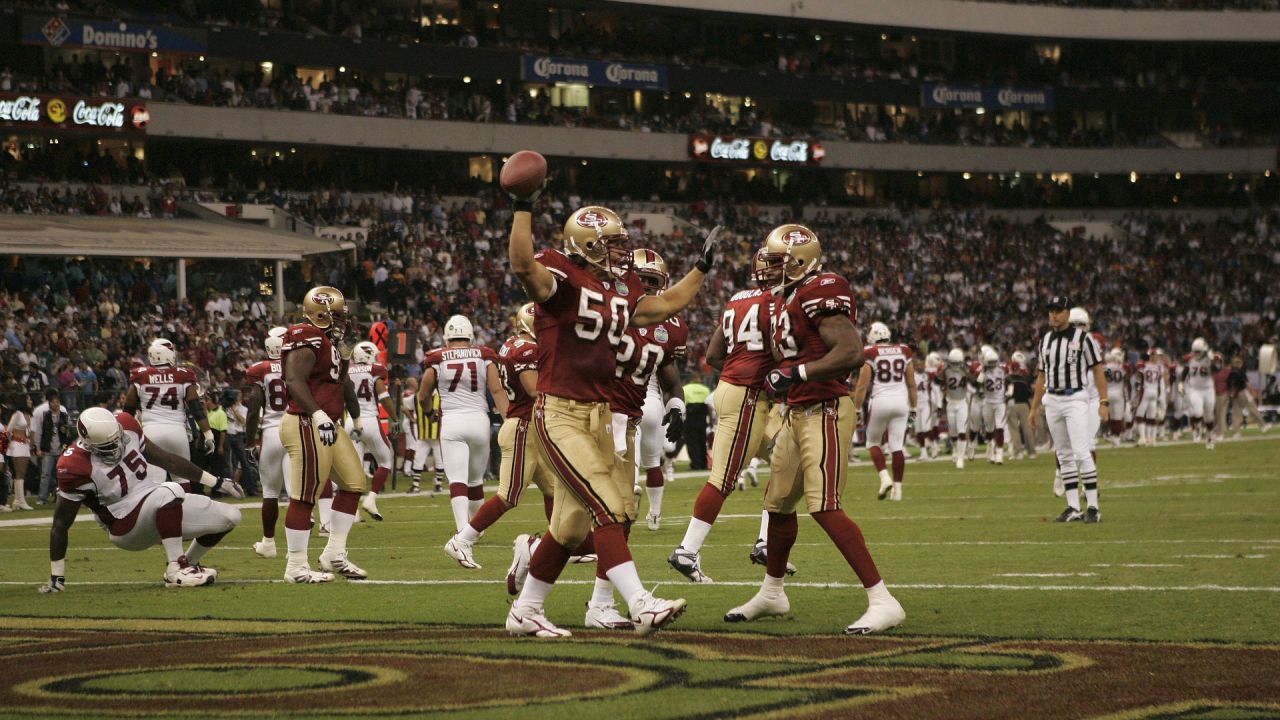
(270, 515)
(548, 560)
(169, 525)
(781, 535)
(877, 457)
(899, 465)
(764, 525)
(488, 514)
(460, 504)
(603, 592)
(1071, 484)
(475, 498)
(695, 535)
(655, 499)
(380, 479)
(345, 506)
(845, 533)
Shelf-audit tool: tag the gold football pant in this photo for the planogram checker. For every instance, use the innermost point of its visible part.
(520, 464)
(742, 417)
(810, 457)
(312, 463)
(624, 465)
(574, 442)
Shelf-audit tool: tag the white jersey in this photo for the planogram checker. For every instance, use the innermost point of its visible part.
(409, 414)
(888, 363)
(1199, 372)
(1116, 373)
(364, 378)
(925, 398)
(461, 378)
(111, 491)
(162, 394)
(956, 383)
(269, 375)
(1153, 379)
(993, 385)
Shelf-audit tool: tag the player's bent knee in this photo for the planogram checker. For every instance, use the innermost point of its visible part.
(175, 489)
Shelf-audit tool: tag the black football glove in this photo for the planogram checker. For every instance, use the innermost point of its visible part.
(709, 246)
(526, 203)
(778, 381)
(911, 419)
(674, 422)
(251, 456)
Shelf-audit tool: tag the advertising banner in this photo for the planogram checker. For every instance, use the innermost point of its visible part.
(69, 112)
(946, 95)
(775, 151)
(544, 68)
(53, 31)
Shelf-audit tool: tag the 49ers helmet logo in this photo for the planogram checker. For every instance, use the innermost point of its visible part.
(323, 298)
(797, 237)
(592, 220)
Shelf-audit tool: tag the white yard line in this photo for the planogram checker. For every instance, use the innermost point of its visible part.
(1047, 575)
(1136, 565)
(1223, 557)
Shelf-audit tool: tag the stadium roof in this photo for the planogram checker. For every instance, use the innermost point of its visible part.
(137, 237)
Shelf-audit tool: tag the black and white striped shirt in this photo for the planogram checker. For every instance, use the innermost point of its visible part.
(1065, 359)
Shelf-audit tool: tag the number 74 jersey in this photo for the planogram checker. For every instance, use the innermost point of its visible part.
(461, 377)
(162, 394)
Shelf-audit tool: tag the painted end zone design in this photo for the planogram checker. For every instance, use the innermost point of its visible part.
(109, 668)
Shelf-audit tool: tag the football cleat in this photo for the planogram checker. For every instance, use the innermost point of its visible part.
(583, 559)
(880, 615)
(266, 547)
(338, 564)
(886, 485)
(323, 531)
(369, 503)
(753, 475)
(532, 622)
(651, 614)
(760, 606)
(959, 462)
(460, 550)
(1092, 515)
(654, 521)
(519, 569)
(304, 575)
(415, 488)
(895, 494)
(1069, 515)
(1209, 444)
(180, 573)
(742, 484)
(439, 485)
(606, 617)
(688, 564)
(760, 556)
(1058, 488)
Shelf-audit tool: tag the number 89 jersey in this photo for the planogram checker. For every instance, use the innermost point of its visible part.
(795, 332)
(580, 328)
(461, 378)
(888, 370)
(269, 375)
(162, 394)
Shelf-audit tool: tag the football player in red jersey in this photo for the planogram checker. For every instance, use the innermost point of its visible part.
(264, 408)
(315, 377)
(740, 351)
(587, 298)
(817, 346)
(890, 379)
(161, 395)
(110, 470)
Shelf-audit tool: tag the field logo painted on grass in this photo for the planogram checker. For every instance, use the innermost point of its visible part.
(157, 669)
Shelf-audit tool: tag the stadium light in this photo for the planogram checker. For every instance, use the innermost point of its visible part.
(466, 79)
(1133, 176)
(966, 176)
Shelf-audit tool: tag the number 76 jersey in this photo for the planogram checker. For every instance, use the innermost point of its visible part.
(461, 377)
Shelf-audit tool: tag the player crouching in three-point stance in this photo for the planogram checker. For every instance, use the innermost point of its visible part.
(587, 297)
(110, 470)
(315, 376)
(817, 346)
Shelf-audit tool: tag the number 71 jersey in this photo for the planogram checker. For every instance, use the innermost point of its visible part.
(744, 323)
(269, 375)
(461, 377)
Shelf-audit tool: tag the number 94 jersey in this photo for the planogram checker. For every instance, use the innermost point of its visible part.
(363, 379)
(795, 332)
(745, 326)
(461, 377)
(269, 375)
(888, 370)
(162, 394)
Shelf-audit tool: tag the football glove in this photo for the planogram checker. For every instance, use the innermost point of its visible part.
(328, 431)
(226, 486)
(251, 456)
(208, 441)
(674, 422)
(777, 381)
(56, 584)
(526, 203)
(357, 429)
(709, 245)
(911, 418)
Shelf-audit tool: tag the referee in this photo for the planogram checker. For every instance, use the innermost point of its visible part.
(1067, 354)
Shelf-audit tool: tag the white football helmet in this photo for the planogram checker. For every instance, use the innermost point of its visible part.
(1199, 346)
(990, 358)
(162, 353)
(879, 332)
(100, 433)
(955, 357)
(275, 341)
(1115, 355)
(1078, 318)
(364, 353)
(459, 328)
(1019, 357)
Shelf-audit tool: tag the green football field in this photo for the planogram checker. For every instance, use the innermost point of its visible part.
(1168, 608)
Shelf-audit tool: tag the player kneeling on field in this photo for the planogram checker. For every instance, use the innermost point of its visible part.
(110, 470)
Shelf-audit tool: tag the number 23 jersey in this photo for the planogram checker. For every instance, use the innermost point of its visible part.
(269, 375)
(796, 337)
(580, 328)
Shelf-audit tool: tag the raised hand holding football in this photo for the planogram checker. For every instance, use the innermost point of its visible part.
(523, 174)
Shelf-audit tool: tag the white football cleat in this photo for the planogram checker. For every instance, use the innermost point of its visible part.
(460, 550)
(180, 573)
(759, 606)
(651, 614)
(606, 617)
(532, 622)
(960, 462)
(323, 531)
(880, 615)
(266, 547)
(688, 564)
(583, 559)
(1209, 444)
(886, 484)
(369, 503)
(304, 575)
(753, 475)
(338, 564)
(519, 569)
(1058, 488)
(742, 484)
(655, 521)
(896, 493)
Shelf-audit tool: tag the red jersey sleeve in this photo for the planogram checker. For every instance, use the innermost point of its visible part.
(184, 375)
(679, 339)
(828, 294)
(379, 372)
(258, 371)
(302, 335)
(432, 358)
(129, 424)
(557, 263)
(75, 473)
(487, 353)
(525, 358)
(870, 352)
(907, 353)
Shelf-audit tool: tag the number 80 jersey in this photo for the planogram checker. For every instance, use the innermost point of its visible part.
(269, 375)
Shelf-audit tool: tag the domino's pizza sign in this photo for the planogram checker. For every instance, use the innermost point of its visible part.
(108, 35)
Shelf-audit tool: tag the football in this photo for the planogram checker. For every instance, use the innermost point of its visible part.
(523, 173)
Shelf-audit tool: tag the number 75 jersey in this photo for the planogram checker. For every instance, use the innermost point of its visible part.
(744, 323)
(269, 375)
(461, 377)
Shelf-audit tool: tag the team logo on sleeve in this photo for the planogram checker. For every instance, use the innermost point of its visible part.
(623, 290)
(660, 334)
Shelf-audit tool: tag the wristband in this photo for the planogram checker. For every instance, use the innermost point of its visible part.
(384, 396)
(676, 403)
(208, 479)
(522, 206)
(801, 372)
(58, 567)
(1104, 402)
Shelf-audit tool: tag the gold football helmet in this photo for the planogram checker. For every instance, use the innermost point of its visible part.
(758, 266)
(791, 252)
(522, 321)
(596, 235)
(652, 270)
(326, 308)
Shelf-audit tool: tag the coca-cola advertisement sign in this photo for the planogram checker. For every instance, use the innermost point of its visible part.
(72, 113)
(773, 151)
